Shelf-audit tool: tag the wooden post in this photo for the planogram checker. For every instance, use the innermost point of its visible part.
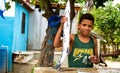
(98, 43)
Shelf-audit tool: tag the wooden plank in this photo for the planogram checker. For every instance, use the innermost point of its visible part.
(76, 70)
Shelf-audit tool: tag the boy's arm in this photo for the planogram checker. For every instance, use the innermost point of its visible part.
(95, 58)
(57, 39)
(96, 50)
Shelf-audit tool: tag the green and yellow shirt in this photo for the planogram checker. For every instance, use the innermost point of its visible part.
(79, 55)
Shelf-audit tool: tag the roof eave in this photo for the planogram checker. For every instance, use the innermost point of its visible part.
(28, 6)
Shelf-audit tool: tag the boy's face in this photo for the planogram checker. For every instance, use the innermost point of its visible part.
(85, 27)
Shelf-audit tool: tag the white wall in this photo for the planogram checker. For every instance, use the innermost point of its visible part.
(37, 28)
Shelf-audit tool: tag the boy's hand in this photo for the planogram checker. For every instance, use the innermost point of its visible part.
(63, 19)
(93, 59)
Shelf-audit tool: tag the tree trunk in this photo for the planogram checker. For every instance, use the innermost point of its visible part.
(72, 13)
(47, 50)
(104, 48)
(89, 4)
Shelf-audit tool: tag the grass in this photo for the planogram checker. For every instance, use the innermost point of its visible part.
(32, 70)
(112, 59)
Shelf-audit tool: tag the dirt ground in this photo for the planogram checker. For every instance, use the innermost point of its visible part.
(113, 64)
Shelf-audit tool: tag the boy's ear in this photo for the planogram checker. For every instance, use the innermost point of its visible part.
(78, 26)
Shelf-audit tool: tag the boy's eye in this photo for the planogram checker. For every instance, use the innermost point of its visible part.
(84, 24)
(89, 26)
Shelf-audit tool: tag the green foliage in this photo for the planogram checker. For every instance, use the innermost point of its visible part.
(55, 1)
(33, 2)
(109, 58)
(32, 71)
(16, 0)
(7, 5)
(107, 20)
(79, 1)
(99, 3)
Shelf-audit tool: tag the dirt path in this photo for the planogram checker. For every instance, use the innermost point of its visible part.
(113, 64)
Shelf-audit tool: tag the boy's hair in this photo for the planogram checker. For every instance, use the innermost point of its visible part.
(87, 16)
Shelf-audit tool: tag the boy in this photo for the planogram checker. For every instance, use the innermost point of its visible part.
(83, 48)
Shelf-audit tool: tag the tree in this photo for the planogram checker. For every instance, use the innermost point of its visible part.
(107, 23)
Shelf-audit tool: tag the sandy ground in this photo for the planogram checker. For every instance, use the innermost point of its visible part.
(113, 64)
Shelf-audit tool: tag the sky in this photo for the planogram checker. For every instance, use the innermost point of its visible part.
(116, 1)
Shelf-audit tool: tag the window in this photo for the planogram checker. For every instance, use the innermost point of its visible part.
(23, 23)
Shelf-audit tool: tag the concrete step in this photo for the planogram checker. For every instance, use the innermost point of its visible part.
(57, 56)
(25, 68)
(36, 54)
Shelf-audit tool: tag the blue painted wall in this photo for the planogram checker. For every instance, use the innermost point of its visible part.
(6, 36)
(10, 33)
